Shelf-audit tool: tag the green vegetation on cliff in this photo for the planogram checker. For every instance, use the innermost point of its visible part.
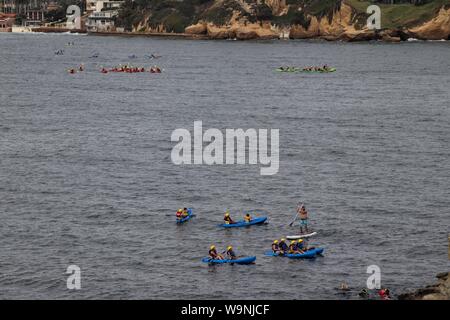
(403, 14)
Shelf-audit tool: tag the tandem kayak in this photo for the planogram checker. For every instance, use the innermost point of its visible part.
(242, 223)
(188, 217)
(319, 71)
(244, 260)
(307, 255)
(291, 69)
(306, 71)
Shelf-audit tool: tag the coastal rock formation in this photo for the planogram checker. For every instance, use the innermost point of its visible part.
(436, 29)
(389, 36)
(340, 27)
(243, 34)
(438, 291)
(199, 28)
(220, 32)
(343, 20)
(241, 31)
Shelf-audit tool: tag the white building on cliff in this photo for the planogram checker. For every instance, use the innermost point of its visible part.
(102, 14)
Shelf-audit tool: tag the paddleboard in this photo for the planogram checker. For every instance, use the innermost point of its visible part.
(301, 236)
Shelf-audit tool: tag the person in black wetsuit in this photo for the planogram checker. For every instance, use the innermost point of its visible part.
(230, 253)
(228, 219)
(283, 246)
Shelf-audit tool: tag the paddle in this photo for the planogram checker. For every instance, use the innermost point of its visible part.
(295, 218)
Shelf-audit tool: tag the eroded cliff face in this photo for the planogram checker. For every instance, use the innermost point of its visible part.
(436, 29)
(340, 24)
(237, 30)
(241, 19)
(339, 27)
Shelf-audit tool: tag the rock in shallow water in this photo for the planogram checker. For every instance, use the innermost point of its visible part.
(438, 291)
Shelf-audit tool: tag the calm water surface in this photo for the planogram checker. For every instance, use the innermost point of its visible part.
(86, 176)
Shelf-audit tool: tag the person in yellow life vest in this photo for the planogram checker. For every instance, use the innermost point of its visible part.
(293, 247)
(275, 247)
(179, 213)
(301, 246)
(213, 253)
(185, 213)
(230, 253)
(248, 218)
(227, 218)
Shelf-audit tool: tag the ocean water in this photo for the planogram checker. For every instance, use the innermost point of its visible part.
(86, 176)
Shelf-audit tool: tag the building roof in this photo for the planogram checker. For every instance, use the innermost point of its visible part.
(7, 15)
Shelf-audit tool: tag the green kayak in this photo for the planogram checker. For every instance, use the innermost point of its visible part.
(295, 69)
(319, 71)
(290, 69)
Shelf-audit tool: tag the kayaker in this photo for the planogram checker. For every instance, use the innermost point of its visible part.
(344, 289)
(305, 246)
(248, 218)
(155, 69)
(275, 247)
(385, 294)
(81, 68)
(230, 253)
(303, 218)
(293, 247)
(228, 219)
(364, 293)
(301, 246)
(213, 253)
(283, 247)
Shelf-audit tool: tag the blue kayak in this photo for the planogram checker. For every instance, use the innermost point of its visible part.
(307, 255)
(242, 223)
(245, 260)
(319, 251)
(188, 217)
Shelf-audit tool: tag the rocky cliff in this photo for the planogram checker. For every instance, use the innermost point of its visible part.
(435, 29)
(295, 19)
